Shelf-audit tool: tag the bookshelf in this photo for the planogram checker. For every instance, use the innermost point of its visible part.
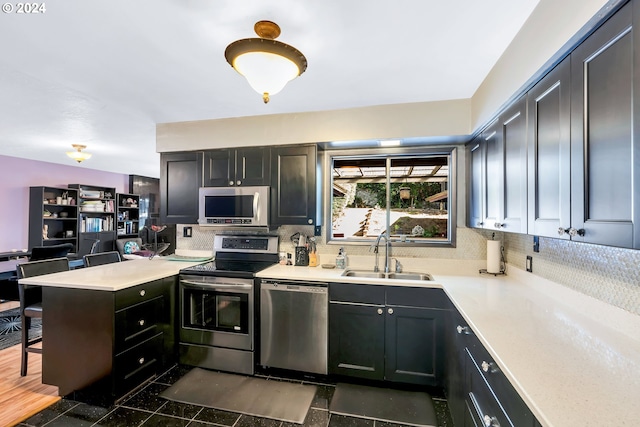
(127, 215)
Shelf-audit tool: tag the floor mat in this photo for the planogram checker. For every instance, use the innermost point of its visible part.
(383, 404)
(11, 328)
(278, 400)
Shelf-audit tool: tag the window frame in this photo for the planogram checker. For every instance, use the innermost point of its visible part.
(449, 151)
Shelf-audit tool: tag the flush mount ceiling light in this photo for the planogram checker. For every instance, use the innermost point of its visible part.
(78, 155)
(267, 64)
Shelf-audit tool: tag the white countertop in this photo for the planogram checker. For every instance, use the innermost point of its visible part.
(112, 277)
(574, 360)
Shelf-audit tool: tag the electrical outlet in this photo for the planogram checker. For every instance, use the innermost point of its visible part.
(317, 230)
(529, 264)
(187, 232)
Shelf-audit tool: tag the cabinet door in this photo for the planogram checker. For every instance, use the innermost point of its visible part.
(293, 185)
(493, 176)
(356, 340)
(253, 166)
(414, 345)
(605, 133)
(549, 158)
(476, 188)
(180, 178)
(219, 168)
(513, 125)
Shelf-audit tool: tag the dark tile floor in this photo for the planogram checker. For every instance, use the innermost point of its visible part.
(146, 408)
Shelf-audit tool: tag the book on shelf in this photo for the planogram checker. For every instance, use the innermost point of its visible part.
(96, 224)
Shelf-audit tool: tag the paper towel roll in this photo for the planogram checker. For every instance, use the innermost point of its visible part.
(493, 256)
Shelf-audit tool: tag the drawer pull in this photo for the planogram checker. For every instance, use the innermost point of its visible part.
(141, 322)
(142, 292)
(488, 367)
(491, 421)
(463, 330)
(390, 311)
(379, 311)
(141, 360)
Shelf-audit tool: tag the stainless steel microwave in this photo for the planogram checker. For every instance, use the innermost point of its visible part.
(234, 206)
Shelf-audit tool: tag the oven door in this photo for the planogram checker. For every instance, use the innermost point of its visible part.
(216, 311)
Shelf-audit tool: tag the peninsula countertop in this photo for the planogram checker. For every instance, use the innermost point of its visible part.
(573, 359)
(112, 277)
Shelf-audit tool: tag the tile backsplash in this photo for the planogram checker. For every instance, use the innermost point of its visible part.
(606, 273)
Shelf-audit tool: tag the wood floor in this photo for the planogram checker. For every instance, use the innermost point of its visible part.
(22, 397)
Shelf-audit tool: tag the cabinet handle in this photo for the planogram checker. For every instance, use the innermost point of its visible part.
(141, 360)
(480, 223)
(238, 182)
(490, 421)
(390, 311)
(499, 225)
(230, 182)
(463, 330)
(141, 322)
(143, 293)
(571, 231)
(310, 221)
(379, 311)
(489, 367)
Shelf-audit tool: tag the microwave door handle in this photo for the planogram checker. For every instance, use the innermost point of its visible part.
(256, 206)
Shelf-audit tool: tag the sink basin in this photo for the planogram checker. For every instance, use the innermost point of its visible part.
(397, 276)
(363, 273)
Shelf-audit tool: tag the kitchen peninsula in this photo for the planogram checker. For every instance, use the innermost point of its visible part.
(108, 328)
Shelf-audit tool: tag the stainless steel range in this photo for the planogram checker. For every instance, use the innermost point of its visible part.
(217, 310)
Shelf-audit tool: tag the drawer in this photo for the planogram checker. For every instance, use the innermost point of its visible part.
(484, 406)
(137, 323)
(513, 405)
(417, 297)
(138, 294)
(138, 364)
(364, 294)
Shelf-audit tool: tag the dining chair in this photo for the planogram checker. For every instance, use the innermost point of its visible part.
(101, 258)
(31, 301)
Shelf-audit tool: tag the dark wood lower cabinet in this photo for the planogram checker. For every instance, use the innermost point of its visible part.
(106, 344)
(413, 345)
(374, 334)
(478, 393)
(356, 340)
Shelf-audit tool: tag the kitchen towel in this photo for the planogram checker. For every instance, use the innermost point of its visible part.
(494, 256)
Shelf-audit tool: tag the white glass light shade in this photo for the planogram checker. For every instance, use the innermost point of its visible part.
(267, 73)
(78, 155)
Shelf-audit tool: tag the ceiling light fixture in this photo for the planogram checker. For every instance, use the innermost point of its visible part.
(267, 64)
(78, 155)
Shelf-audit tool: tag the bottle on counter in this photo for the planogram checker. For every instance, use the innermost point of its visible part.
(341, 259)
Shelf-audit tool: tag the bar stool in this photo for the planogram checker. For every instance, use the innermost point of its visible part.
(31, 301)
(101, 258)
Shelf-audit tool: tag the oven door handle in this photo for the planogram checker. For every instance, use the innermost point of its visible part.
(217, 285)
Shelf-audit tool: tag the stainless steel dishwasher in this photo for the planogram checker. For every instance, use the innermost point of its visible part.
(294, 325)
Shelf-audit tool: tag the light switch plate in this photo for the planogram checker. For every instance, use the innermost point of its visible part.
(187, 232)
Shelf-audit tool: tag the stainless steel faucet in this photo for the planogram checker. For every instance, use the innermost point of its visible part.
(386, 252)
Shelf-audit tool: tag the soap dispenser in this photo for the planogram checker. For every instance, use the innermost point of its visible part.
(341, 259)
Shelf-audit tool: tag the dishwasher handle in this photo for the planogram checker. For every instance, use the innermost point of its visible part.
(290, 286)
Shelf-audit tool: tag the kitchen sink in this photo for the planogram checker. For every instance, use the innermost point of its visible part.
(379, 275)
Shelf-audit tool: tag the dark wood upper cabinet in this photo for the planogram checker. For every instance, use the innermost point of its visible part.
(605, 133)
(293, 185)
(476, 184)
(237, 167)
(504, 170)
(549, 160)
(180, 179)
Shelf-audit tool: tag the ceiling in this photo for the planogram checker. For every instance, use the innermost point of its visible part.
(104, 72)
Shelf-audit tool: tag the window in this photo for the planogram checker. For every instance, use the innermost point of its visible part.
(409, 194)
